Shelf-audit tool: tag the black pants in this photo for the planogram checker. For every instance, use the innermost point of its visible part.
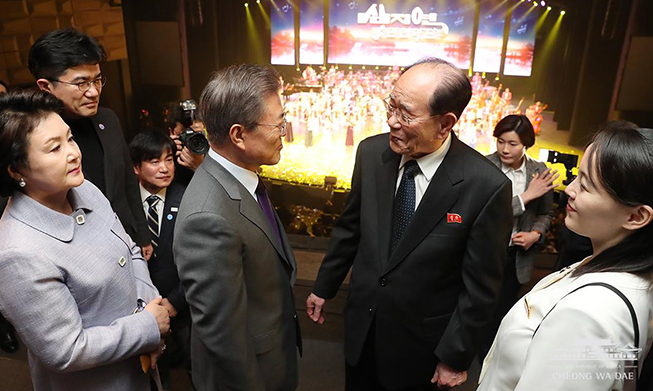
(364, 375)
(507, 298)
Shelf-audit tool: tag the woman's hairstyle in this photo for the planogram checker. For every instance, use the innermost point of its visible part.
(20, 113)
(520, 124)
(621, 160)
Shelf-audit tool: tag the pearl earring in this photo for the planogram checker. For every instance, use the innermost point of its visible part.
(21, 182)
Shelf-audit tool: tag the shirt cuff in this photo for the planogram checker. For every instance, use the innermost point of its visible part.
(521, 203)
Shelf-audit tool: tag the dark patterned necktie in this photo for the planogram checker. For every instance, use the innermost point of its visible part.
(266, 206)
(153, 219)
(404, 204)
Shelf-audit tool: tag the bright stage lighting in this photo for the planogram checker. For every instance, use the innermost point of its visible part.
(246, 5)
(562, 12)
(258, 1)
(548, 8)
(542, 3)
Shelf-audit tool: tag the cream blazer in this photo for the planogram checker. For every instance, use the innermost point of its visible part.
(581, 343)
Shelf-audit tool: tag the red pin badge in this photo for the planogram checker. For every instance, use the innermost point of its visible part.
(454, 218)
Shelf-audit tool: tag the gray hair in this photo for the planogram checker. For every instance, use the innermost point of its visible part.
(236, 95)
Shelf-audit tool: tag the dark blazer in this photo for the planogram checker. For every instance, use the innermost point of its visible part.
(162, 265)
(537, 216)
(121, 183)
(432, 297)
(238, 280)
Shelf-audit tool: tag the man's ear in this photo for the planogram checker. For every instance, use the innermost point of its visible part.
(237, 135)
(639, 218)
(447, 122)
(45, 85)
(137, 169)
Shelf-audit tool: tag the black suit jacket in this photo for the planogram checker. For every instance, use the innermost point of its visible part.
(162, 265)
(432, 297)
(121, 183)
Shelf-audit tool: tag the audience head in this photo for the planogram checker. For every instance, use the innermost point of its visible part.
(38, 155)
(153, 153)
(425, 104)
(244, 117)
(611, 200)
(66, 63)
(514, 134)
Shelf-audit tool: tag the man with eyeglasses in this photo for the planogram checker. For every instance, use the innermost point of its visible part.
(66, 63)
(234, 259)
(424, 233)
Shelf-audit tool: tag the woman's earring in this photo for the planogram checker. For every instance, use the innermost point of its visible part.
(21, 182)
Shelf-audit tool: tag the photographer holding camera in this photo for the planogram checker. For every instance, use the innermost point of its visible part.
(187, 131)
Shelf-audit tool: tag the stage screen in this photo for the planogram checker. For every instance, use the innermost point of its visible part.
(400, 32)
(311, 32)
(521, 41)
(489, 40)
(282, 20)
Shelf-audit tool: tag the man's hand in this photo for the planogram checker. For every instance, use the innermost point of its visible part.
(540, 185)
(185, 157)
(525, 239)
(314, 307)
(446, 377)
(172, 311)
(155, 355)
(147, 251)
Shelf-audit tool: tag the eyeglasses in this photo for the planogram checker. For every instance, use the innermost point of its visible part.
(86, 84)
(401, 117)
(282, 126)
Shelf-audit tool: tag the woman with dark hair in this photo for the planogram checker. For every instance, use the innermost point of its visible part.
(532, 209)
(72, 282)
(580, 328)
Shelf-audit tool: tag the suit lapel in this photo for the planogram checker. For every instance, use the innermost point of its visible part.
(173, 199)
(104, 138)
(386, 178)
(440, 196)
(249, 207)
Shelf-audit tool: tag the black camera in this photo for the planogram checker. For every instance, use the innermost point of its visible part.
(568, 160)
(195, 141)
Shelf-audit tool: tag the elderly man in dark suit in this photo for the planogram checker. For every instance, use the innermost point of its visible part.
(232, 253)
(66, 63)
(425, 232)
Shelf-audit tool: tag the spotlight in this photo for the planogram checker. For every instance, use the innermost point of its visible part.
(562, 12)
(542, 3)
(496, 78)
(258, 1)
(363, 66)
(548, 8)
(297, 69)
(246, 5)
(376, 67)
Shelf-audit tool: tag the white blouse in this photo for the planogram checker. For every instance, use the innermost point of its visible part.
(581, 343)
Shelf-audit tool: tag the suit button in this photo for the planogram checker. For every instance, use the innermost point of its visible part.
(383, 282)
(294, 316)
(370, 310)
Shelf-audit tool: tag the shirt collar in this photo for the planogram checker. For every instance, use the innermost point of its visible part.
(53, 223)
(145, 193)
(521, 168)
(247, 178)
(429, 164)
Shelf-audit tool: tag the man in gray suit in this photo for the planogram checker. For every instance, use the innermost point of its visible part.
(233, 256)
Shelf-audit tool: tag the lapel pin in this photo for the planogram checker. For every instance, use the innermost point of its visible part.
(80, 219)
(122, 261)
(101, 126)
(169, 217)
(454, 218)
(174, 209)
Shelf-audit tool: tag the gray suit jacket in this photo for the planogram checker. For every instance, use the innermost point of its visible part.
(71, 298)
(537, 216)
(238, 282)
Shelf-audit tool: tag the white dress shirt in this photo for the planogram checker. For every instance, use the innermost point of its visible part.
(159, 205)
(428, 165)
(247, 178)
(518, 179)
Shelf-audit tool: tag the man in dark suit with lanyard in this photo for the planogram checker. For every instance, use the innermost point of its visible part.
(424, 231)
(153, 154)
(66, 63)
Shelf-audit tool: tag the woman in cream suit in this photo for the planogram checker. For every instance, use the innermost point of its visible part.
(70, 277)
(564, 335)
